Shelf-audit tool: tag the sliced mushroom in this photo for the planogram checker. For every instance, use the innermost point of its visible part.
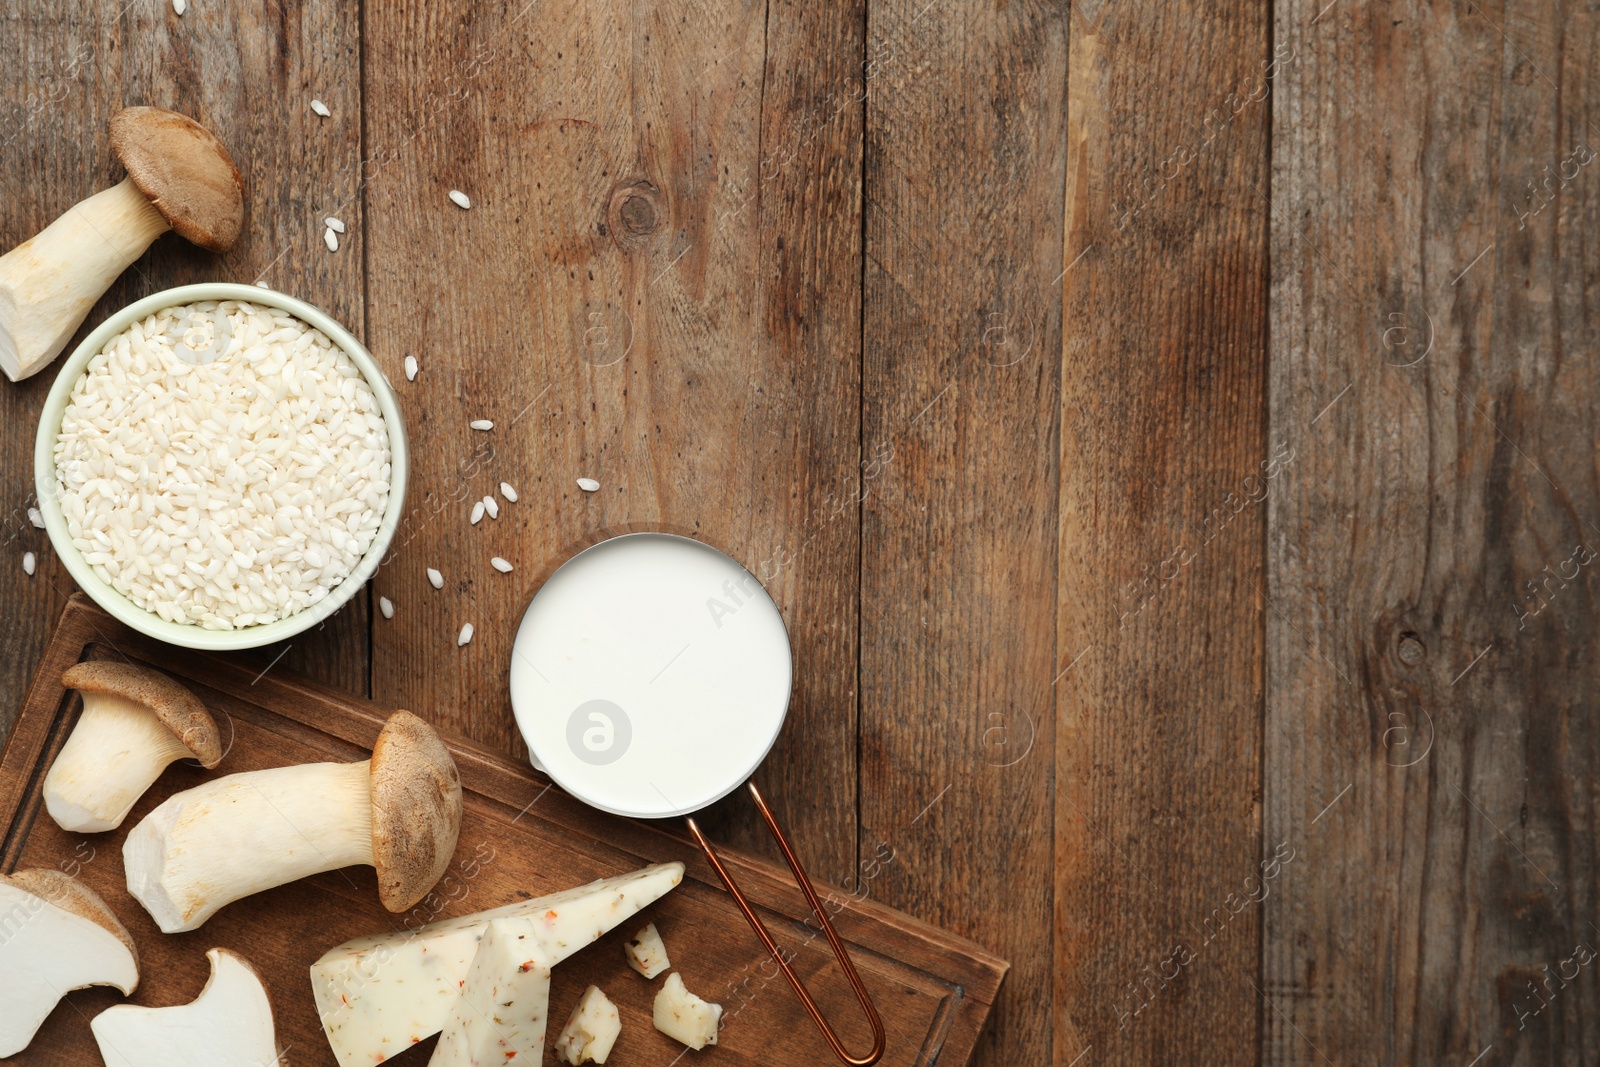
(228, 1025)
(206, 847)
(135, 721)
(56, 935)
(179, 178)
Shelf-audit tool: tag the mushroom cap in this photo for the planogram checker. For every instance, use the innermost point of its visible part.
(416, 810)
(178, 709)
(184, 171)
(67, 893)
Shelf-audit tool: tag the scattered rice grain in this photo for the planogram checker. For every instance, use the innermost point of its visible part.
(386, 606)
(28, 562)
(588, 485)
(179, 7)
(330, 239)
(336, 225)
(501, 565)
(477, 512)
(465, 635)
(508, 492)
(36, 517)
(492, 506)
(436, 578)
(411, 368)
(481, 424)
(460, 199)
(320, 108)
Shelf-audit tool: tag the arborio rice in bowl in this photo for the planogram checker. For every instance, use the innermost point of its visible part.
(221, 466)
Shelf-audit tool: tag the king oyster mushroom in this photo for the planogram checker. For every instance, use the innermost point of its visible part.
(135, 721)
(228, 1025)
(180, 178)
(56, 935)
(399, 811)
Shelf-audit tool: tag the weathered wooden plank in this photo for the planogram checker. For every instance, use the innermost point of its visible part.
(1164, 468)
(964, 175)
(57, 77)
(1432, 735)
(629, 299)
(247, 73)
(802, 501)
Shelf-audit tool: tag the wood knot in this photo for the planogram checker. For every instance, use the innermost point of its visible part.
(1411, 649)
(638, 215)
(635, 213)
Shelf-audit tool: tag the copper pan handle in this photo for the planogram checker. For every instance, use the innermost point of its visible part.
(839, 951)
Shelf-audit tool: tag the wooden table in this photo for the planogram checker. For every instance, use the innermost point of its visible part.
(1169, 431)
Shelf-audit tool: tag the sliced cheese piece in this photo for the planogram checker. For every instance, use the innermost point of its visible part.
(228, 1025)
(647, 953)
(684, 1017)
(502, 1011)
(379, 995)
(56, 935)
(591, 1029)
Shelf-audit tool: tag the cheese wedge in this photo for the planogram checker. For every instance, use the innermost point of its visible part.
(501, 1014)
(379, 995)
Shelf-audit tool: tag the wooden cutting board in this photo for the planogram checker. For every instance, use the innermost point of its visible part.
(519, 838)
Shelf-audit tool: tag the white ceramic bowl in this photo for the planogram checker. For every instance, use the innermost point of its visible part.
(125, 610)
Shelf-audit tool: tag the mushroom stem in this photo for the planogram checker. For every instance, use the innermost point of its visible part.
(49, 282)
(241, 834)
(114, 754)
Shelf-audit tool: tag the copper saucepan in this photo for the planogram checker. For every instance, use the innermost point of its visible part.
(650, 677)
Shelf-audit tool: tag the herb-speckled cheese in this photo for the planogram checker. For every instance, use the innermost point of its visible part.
(379, 995)
(647, 953)
(504, 1007)
(591, 1030)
